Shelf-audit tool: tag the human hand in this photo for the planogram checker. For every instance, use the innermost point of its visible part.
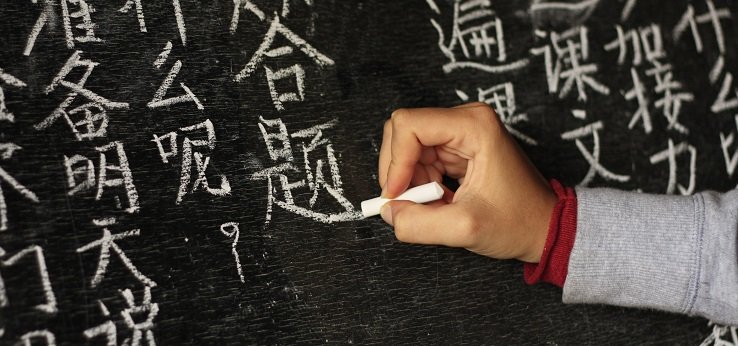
(502, 206)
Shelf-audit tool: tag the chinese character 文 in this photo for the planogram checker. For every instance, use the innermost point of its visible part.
(477, 36)
(81, 175)
(296, 71)
(81, 11)
(592, 157)
(570, 64)
(315, 180)
(93, 113)
(193, 150)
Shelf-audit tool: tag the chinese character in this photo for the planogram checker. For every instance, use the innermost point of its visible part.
(280, 149)
(106, 243)
(593, 156)
(139, 12)
(295, 71)
(6, 152)
(691, 20)
(477, 36)
(94, 116)
(83, 13)
(142, 329)
(159, 100)
(502, 98)
(27, 339)
(193, 149)
(670, 155)
(49, 305)
(731, 161)
(81, 175)
(571, 63)
(5, 114)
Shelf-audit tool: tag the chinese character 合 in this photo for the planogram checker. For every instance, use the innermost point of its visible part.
(295, 71)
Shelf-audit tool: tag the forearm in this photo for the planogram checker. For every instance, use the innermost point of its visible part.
(669, 253)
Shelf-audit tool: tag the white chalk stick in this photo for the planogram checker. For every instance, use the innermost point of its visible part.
(420, 194)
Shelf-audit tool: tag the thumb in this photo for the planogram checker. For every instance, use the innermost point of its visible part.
(445, 224)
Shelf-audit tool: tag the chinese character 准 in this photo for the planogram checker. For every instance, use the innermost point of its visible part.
(295, 71)
(83, 13)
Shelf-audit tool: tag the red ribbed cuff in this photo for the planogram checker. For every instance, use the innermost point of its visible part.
(554, 263)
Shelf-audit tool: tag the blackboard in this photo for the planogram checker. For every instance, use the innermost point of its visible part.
(188, 172)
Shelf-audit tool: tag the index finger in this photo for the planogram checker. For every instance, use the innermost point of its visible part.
(413, 129)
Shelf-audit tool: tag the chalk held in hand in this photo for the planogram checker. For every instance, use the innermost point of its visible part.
(420, 194)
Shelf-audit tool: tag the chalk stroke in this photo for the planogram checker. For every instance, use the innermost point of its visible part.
(731, 161)
(160, 101)
(265, 50)
(45, 335)
(727, 98)
(106, 243)
(6, 78)
(248, 5)
(690, 20)
(180, 22)
(106, 329)
(592, 157)
(638, 92)
(721, 336)
(670, 155)
(292, 71)
(139, 13)
(7, 152)
(37, 252)
(140, 330)
(163, 55)
(433, 6)
(230, 230)
(126, 179)
(627, 10)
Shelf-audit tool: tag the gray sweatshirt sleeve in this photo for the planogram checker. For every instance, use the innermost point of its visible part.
(672, 253)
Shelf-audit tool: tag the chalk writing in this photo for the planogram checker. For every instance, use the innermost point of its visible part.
(37, 253)
(731, 160)
(193, 149)
(158, 100)
(277, 140)
(690, 19)
(8, 79)
(94, 122)
(139, 12)
(83, 12)
(593, 156)
(477, 36)
(6, 152)
(721, 336)
(230, 230)
(81, 175)
(106, 243)
(502, 98)
(141, 329)
(571, 64)
(670, 155)
(28, 339)
(295, 71)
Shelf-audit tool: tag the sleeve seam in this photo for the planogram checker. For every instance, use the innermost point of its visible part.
(694, 282)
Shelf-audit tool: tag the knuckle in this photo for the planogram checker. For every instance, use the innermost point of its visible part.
(403, 231)
(468, 228)
(400, 116)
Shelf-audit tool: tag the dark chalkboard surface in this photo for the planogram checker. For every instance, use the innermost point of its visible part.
(182, 172)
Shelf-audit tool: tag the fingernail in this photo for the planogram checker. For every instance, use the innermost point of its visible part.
(386, 213)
